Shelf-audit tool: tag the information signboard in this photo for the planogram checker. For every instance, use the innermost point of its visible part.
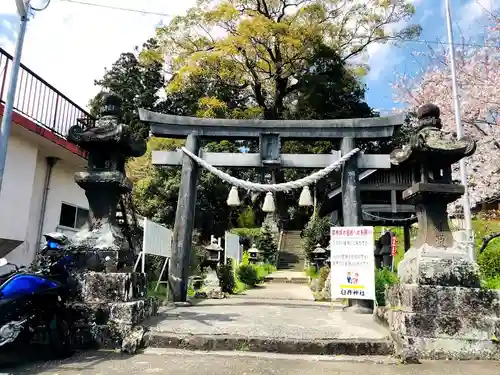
(352, 262)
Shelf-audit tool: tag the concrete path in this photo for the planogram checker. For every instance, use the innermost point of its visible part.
(199, 363)
(267, 325)
(278, 291)
(263, 318)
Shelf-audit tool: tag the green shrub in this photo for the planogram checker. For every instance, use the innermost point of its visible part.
(383, 277)
(266, 243)
(247, 274)
(226, 277)
(245, 259)
(316, 232)
(489, 261)
(323, 275)
(239, 286)
(492, 283)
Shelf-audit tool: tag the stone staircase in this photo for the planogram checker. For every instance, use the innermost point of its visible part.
(291, 256)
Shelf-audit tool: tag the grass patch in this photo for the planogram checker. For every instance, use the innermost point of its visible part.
(161, 292)
(312, 272)
(491, 283)
(239, 287)
(263, 270)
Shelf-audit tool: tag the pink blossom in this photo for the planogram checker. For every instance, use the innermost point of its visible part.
(478, 75)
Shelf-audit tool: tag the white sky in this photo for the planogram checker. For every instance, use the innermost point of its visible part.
(69, 44)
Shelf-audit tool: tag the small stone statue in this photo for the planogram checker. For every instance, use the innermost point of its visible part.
(108, 144)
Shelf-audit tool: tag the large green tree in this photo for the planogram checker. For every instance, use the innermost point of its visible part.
(266, 46)
(137, 84)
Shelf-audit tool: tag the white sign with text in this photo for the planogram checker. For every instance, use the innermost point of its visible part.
(353, 263)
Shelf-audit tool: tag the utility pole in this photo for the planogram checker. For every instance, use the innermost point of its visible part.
(23, 10)
(11, 93)
(460, 134)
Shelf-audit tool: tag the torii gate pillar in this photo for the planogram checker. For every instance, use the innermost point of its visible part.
(184, 223)
(351, 199)
(351, 208)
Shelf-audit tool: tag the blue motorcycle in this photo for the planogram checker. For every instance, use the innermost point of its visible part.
(32, 303)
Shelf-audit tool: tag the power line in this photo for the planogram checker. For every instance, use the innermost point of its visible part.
(490, 12)
(139, 11)
(118, 8)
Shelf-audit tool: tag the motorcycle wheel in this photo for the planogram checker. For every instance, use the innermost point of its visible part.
(59, 334)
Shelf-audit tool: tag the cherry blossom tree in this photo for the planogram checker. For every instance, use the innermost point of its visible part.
(478, 76)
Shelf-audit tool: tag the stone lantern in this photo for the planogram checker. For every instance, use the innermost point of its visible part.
(211, 288)
(439, 284)
(319, 256)
(254, 254)
(213, 253)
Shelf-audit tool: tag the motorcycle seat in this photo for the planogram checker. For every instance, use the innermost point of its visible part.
(5, 277)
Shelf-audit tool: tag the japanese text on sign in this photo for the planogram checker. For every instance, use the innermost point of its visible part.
(350, 232)
(348, 260)
(352, 262)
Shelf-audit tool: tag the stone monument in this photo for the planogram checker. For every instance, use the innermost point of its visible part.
(112, 301)
(438, 310)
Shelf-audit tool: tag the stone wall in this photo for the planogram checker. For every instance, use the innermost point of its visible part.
(438, 310)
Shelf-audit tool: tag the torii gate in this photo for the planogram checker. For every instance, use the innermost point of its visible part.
(269, 132)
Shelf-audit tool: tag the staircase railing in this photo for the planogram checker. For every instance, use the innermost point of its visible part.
(280, 243)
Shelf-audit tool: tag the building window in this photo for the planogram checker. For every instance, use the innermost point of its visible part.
(72, 216)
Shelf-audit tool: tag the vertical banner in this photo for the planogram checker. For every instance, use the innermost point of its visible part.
(353, 263)
(394, 246)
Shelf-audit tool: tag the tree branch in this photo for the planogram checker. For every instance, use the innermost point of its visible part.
(487, 239)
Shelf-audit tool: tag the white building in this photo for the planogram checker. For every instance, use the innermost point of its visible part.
(38, 193)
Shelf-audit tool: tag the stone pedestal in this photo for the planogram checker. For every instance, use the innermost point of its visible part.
(438, 311)
(110, 308)
(211, 287)
(103, 236)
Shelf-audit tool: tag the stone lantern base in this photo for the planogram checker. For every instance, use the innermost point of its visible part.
(109, 310)
(439, 311)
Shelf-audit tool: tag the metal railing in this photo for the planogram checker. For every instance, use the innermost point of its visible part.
(38, 100)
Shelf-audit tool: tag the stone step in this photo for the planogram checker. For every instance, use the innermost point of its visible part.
(356, 347)
(293, 239)
(291, 246)
(297, 268)
(287, 280)
(283, 262)
(292, 249)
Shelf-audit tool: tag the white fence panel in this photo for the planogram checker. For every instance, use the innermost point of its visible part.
(157, 239)
(232, 247)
